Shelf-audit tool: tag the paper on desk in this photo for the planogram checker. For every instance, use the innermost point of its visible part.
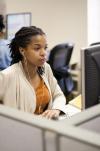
(71, 110)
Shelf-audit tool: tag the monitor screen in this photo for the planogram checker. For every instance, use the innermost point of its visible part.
(90, 64)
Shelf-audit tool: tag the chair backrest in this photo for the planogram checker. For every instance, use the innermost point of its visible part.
(59, 59)
(60, 55)
(95, 43)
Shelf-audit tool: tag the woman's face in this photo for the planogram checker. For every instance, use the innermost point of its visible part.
(35, 52)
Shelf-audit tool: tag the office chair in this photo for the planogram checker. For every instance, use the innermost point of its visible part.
(59, 59)
(95, 43)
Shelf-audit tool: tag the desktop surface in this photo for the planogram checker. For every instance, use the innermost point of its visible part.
(20, 131)
(92, 124)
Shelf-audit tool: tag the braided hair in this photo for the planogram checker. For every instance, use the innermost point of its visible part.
(2, 26)
(22, 39)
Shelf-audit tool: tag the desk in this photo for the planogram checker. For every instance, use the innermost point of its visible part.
(77, 102)
(72, 108)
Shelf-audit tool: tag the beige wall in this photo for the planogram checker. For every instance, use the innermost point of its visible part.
(2, 7)
(93, 21)
(62, 20)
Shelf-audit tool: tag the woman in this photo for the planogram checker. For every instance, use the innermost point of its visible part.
(28, 84)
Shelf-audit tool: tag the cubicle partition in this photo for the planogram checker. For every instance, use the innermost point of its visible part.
(21, 131)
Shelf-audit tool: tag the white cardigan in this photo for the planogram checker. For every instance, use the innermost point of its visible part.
(17, 92)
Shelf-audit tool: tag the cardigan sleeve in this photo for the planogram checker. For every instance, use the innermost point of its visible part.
(58, 98)
(2, 86)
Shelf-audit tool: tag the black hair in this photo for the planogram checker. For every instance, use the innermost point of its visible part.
(2, 26)
(22, 39)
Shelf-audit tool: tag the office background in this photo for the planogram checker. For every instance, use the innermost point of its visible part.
(64, 20)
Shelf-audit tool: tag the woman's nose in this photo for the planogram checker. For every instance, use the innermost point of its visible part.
(43, 52)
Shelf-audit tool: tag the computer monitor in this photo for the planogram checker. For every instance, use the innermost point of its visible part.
(90, 65)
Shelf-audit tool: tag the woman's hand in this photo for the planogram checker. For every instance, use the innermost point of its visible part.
(50, 114)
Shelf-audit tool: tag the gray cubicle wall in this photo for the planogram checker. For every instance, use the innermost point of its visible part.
(22, 132)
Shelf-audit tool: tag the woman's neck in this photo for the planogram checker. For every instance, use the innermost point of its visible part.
(30, 70)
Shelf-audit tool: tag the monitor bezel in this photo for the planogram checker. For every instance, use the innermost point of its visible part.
(92, 51)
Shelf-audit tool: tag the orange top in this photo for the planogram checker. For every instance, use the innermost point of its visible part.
(42, 98)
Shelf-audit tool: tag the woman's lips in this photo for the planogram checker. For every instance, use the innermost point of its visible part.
(43, 60)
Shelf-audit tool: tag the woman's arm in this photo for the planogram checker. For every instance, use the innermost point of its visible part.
(51, 114)
(2, 85)
(58, 98)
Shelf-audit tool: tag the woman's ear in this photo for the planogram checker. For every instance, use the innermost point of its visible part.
(21, 51)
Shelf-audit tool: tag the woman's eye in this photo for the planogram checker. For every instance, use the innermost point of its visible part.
(46, 48)
(36, 48)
